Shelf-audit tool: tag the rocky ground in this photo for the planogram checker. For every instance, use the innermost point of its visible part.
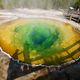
(4, 62)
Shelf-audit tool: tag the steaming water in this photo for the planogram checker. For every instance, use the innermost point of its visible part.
(33, 13)
(7, 15)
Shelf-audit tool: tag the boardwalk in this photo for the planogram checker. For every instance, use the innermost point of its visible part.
(73, 17)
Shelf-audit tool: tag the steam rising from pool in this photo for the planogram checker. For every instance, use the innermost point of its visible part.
(8, 15)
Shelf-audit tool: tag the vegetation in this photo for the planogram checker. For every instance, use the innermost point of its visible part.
(1, 4)
(77, 4)
(44, 4)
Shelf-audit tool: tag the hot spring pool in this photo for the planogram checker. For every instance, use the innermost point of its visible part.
(40, 41)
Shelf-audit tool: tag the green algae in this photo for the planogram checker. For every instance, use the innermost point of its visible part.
(37, 36)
